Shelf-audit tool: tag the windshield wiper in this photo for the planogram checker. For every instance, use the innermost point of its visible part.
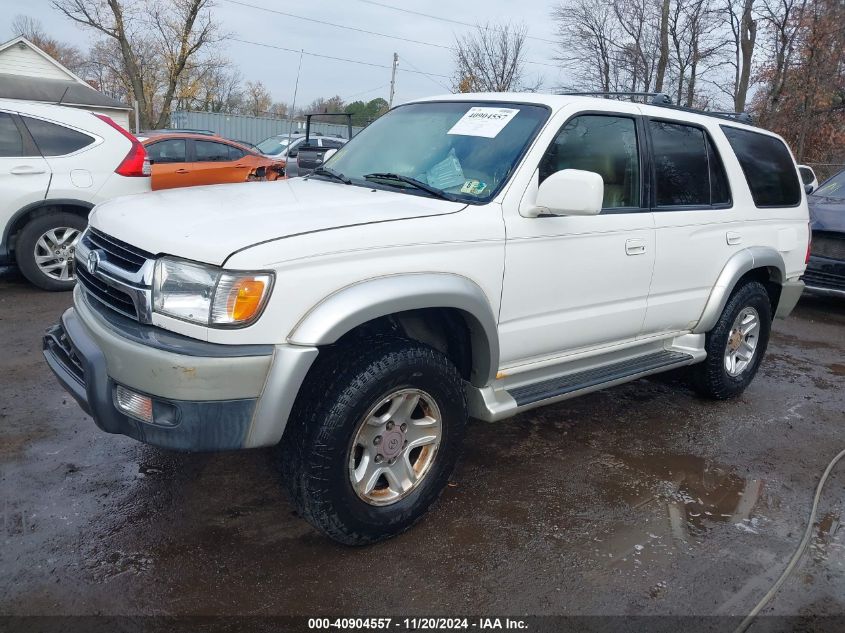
(331, 173)
(413, 182)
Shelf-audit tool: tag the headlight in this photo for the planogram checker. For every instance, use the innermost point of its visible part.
(208, 295)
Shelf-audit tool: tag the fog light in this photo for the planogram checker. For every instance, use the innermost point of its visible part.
(134, 404)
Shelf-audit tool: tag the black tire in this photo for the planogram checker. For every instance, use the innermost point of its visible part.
(344, 384)
(25, 247)
(711, 378)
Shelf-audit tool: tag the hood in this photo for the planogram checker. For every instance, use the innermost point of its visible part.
(208, 224)
(827, 214)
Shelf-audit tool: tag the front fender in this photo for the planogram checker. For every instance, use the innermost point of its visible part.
(364, 301)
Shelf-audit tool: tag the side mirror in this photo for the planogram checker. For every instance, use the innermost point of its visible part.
(808, 189)
(329, 153)
(570, 192)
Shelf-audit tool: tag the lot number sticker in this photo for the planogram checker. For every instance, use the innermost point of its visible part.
(486, 122)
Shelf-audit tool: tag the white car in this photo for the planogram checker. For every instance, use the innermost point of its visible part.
(56, 163)
(280, 146)
(808, 177)
(468, 255)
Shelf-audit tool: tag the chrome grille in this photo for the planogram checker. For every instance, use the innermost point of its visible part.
(119, 253)
(105, 294)
(115, 275)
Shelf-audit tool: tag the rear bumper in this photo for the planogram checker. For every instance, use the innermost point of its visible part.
(825, 276)
(206, 397)
(790, 293)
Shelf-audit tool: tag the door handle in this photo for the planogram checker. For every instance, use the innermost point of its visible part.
(241, 166)
(182, 171)
(635, 247)
(26, 170)
(733, 237)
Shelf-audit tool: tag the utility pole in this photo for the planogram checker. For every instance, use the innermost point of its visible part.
(292, 112)
(393, 79)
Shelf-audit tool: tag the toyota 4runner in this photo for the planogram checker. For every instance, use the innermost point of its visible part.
(469, 255)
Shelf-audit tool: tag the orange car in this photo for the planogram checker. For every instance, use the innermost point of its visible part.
(185, 160)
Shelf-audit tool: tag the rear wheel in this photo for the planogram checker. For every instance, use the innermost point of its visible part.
(373, 438)
(46, 248)
(736, 345)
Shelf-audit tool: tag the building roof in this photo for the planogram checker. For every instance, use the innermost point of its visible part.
(70, 91)
(55, 91)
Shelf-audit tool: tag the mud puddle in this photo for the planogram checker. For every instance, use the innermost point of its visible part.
(670, 503)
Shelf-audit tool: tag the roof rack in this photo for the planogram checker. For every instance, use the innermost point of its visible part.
(663, 100)
(657, 98)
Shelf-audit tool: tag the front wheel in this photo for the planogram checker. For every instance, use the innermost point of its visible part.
(46, 249)
(736, 345)
(373, 438)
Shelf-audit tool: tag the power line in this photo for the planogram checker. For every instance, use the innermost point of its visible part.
(442, 19)
(338, 26)
(408, 61)
(376, 33)
(363, 92)
(338, 59)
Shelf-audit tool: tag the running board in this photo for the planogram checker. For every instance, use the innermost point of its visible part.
(557, 387)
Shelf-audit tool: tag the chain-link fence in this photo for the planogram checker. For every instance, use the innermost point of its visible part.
(252, 129)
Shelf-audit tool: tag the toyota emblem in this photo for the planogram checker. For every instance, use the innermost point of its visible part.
(93, 261)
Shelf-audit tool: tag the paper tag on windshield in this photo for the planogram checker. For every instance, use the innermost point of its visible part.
(486, 122)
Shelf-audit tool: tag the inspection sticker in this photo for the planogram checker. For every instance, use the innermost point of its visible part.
(486, 122)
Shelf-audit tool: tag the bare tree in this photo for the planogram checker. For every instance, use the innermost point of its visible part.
(588, 33)
(177, 30)
(782, 21)
(663, 58)
(491, 59)
(256, 99)
(692, 30)
(67, 55)
(744, 29)
(640, 22)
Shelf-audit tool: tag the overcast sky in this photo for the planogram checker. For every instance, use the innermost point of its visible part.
(324, 77)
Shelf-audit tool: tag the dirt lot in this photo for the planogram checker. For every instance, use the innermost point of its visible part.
(641, 499)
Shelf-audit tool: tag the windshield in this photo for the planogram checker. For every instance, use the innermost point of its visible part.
(833, 187)
(274, 145)
(465, 149)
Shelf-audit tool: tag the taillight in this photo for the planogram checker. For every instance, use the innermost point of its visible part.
(136, 162)
(809, 244)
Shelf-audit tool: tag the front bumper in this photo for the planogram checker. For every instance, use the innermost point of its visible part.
(825, 276)
(206, 396)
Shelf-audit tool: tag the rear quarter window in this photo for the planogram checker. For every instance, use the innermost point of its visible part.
(55, 140)
(768, 167)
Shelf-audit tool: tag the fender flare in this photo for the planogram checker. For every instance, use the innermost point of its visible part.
(364, 301)
(738, 265)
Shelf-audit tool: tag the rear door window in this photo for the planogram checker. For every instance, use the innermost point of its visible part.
(236, 153)
(768, 167)
(211, 152)
(11, 143)
(171, 150)
(55, 140)
(687, 168)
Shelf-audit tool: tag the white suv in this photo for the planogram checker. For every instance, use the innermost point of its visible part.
(56, 163)
(469, 255)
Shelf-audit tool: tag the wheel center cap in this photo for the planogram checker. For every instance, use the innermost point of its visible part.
(391, 443)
